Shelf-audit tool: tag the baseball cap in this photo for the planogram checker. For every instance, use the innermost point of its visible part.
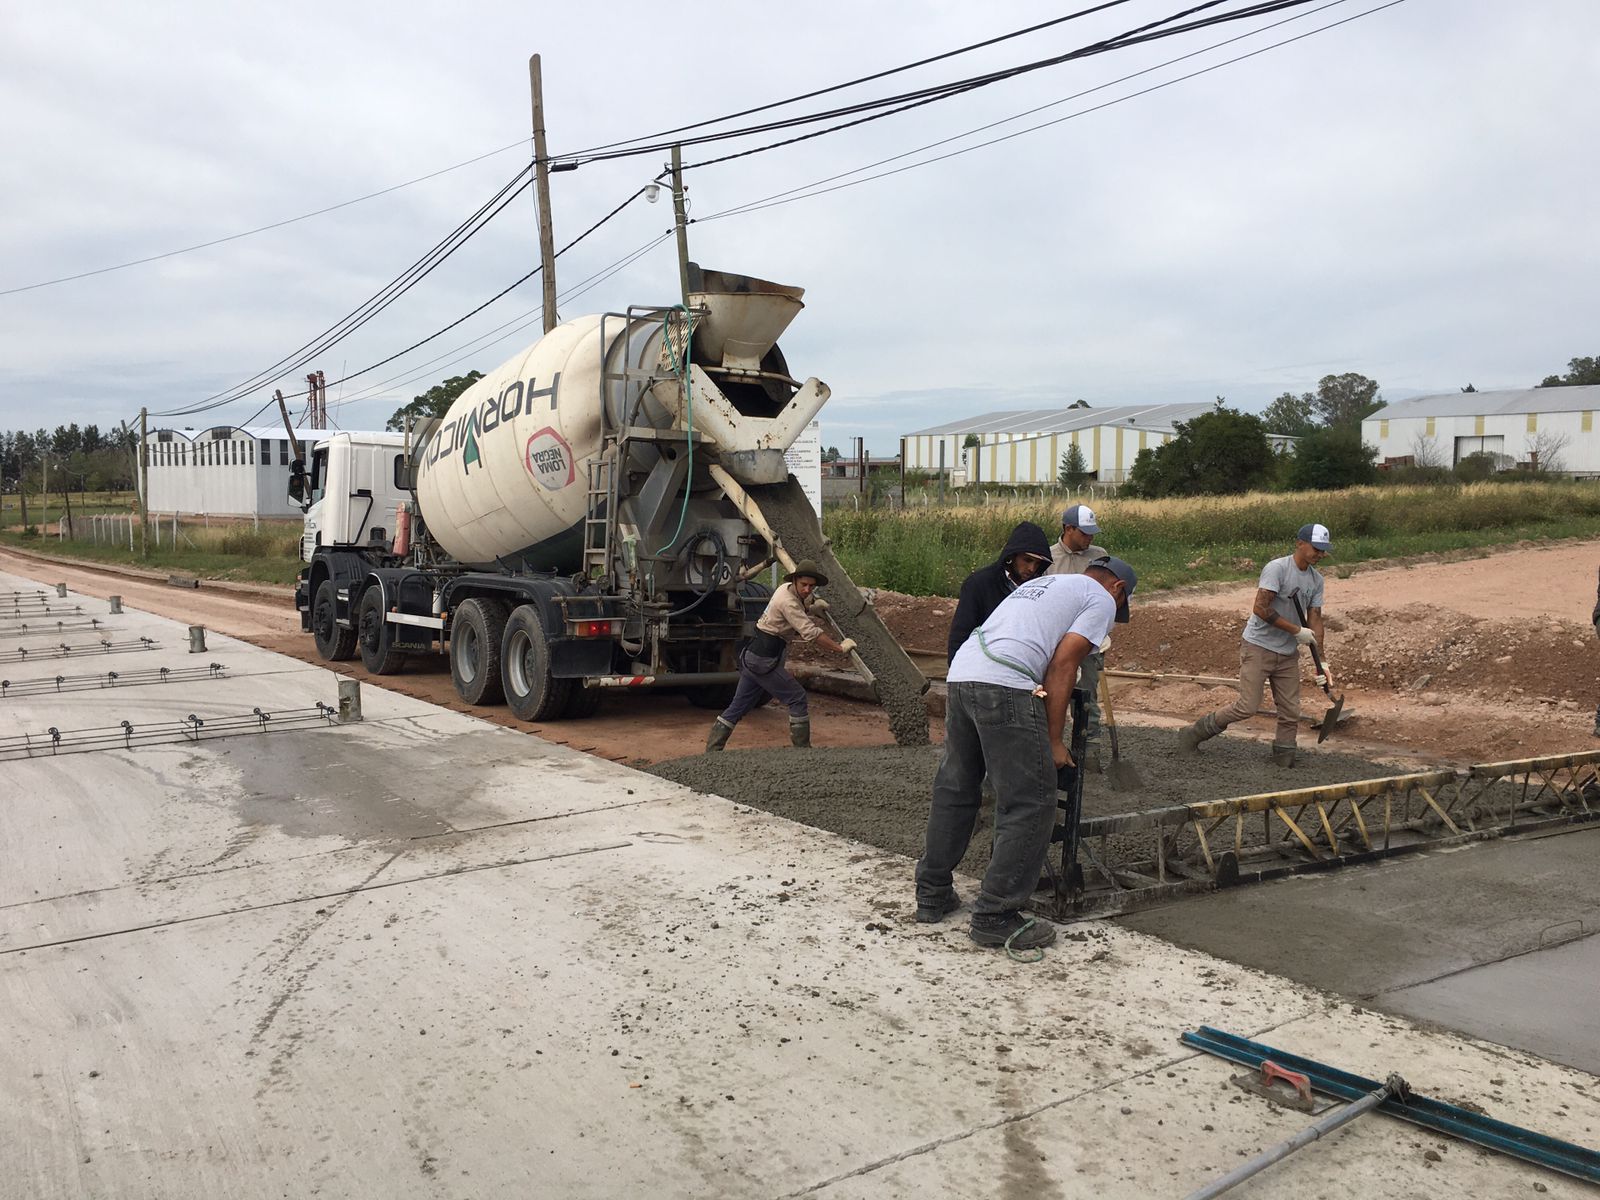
(1317, 535)
(1081, 516)
(1123, 572)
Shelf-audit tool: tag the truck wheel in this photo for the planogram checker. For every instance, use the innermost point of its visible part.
(711, 695)
(475, 636)
(374, 637)
(585, 701)
(532, 692)
(335, 643)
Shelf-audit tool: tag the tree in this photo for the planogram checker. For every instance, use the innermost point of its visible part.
(1218, 452)
(1074, 471)
(1332, 458)
(1290, 414)
(831, 454)
(1580, 371)
(1469, 388)
(1425, 451)
(1477, 466)
(1547, 452)
(1345, 399)
(1080, 404)
(434, 402)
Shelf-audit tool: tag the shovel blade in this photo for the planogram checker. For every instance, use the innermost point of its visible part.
(1330, 719)
(1124, 776)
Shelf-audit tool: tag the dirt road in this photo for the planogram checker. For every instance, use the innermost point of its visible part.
(631, 727)
(1480, 659)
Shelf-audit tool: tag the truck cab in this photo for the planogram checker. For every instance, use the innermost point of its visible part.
(351, 490)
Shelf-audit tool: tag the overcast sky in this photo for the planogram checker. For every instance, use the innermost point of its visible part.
(1410, 195)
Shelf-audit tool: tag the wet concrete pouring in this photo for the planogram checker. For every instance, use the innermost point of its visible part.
(880, 795)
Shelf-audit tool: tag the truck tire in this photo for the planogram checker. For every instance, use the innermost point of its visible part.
(584, 702)
(375, 638)
(475, 637)
(532, 692)
(335, 643)
(711, 695)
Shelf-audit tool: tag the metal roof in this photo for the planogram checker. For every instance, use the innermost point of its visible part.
(1153, 417)
(1489, 404)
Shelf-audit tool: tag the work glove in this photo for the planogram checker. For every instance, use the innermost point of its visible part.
(1325, 679)
(1304, 636)
(818, 604)
(847, 645)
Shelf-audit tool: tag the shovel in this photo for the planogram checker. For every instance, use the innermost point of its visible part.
(1331, 718)
(1123, 776)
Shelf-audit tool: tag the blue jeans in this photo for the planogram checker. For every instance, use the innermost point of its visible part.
(760, 677)
(1000, 732)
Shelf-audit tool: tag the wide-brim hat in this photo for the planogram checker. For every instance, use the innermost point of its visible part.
(807, 567)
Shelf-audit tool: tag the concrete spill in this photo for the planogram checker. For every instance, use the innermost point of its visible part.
(880, 795)
(900, 684)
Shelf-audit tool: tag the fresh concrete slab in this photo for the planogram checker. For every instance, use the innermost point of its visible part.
(424, 956)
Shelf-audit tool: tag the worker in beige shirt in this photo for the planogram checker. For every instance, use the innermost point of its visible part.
(1072, 556)
(762, 673)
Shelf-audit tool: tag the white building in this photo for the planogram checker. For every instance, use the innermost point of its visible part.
(1025, 447)
(1552, 427)
(226, 471)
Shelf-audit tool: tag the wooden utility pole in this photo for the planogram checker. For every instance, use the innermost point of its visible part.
(144, 486)
(680, 221)
(541, 187)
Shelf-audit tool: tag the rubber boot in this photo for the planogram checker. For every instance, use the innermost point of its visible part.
(800, 732)
(721, 731)
(1190, 736)
(1282, 756)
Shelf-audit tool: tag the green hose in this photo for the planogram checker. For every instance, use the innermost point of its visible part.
(682, 372)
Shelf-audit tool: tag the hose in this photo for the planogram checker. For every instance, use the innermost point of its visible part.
(715, 538)
(682, 372)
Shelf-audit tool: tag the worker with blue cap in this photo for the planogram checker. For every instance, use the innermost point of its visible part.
(1072, 556)
(1269, 654)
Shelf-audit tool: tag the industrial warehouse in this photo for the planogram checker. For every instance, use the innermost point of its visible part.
(1548, 429)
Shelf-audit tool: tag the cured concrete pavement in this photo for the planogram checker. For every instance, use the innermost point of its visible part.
(426, 956)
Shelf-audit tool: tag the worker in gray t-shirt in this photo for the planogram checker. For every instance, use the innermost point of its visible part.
(1269, 655)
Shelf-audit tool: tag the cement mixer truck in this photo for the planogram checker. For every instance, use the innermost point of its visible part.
(598, 512)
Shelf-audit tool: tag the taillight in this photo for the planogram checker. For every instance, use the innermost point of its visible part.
(594, 629)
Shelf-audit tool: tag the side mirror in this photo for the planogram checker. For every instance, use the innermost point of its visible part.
(297, 482)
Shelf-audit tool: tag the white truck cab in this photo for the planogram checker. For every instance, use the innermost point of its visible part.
(351, 490)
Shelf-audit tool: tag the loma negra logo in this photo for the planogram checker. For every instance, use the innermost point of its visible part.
(549, 459)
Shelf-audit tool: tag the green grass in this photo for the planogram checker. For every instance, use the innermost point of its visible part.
(1224, 538)
(238, 552)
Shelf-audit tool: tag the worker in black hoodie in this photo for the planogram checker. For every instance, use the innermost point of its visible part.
(1026, 556)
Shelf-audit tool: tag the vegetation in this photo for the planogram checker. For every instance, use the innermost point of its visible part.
(1074, 470)
(270, 554)
(1179, 541)
(1218, 452)
(434, 402)
(1579, 371)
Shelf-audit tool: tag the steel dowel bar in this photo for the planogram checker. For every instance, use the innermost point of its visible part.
(110, 679)
(1525, 1144)
(36, 653)
(191, 729)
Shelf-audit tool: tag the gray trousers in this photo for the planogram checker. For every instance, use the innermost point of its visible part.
(1000, 732)
(760, 677)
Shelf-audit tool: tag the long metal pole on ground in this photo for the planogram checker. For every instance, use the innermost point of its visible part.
(1394, 1087)
(541, 187)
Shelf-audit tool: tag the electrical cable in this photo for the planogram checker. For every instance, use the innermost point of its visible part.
(375, 304)
(1150, 31)
(790, 197)
(234, 237)
(839, 87)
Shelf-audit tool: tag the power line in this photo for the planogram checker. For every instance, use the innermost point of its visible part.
(234, 237)
(888, 106)
(789, 195)
(839, 87)
(375, 304)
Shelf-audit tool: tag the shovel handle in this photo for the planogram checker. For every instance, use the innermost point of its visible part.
(1316, 657)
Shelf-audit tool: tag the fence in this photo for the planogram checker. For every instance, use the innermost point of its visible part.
(974, 496)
